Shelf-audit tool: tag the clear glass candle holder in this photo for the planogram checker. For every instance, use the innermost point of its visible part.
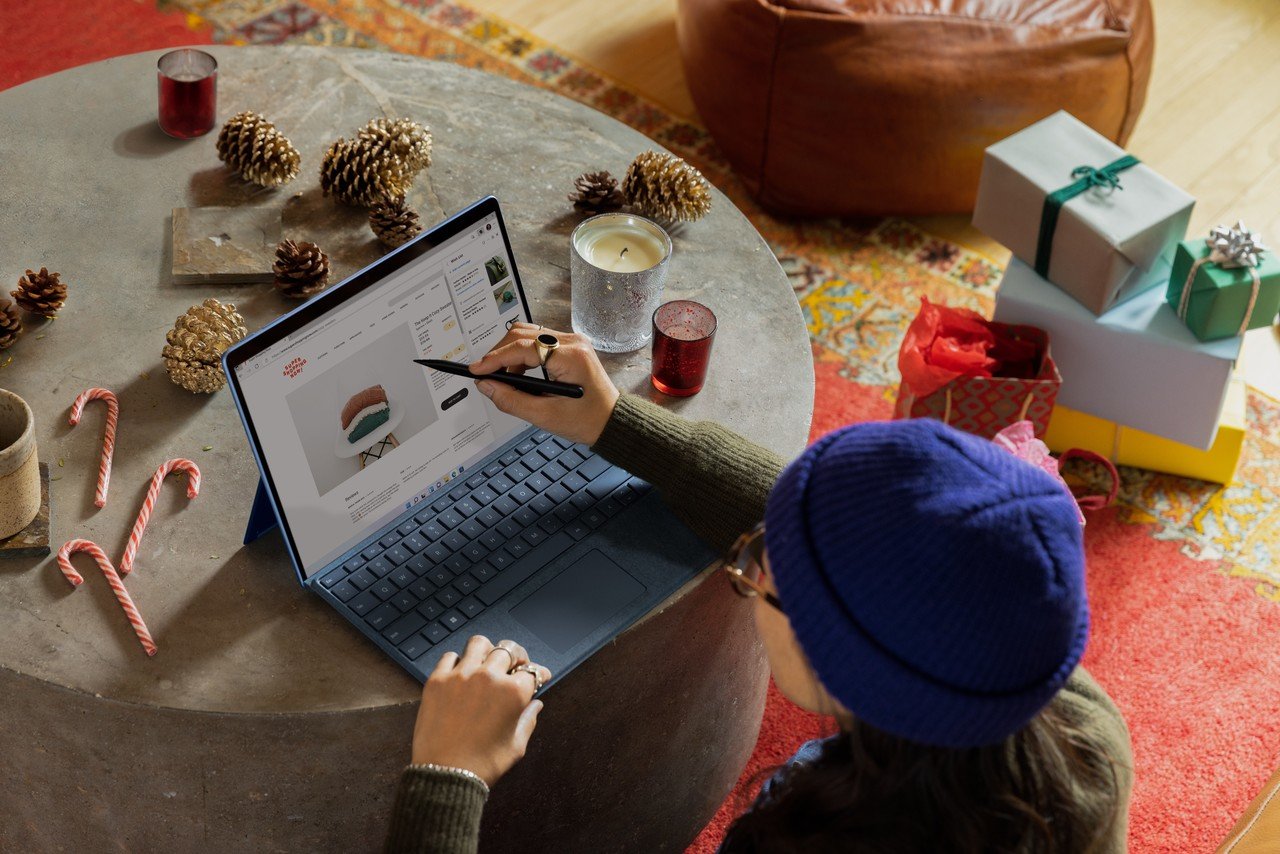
(188, 93)
(617, 270)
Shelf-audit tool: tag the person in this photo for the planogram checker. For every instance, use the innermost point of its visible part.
(922, 586)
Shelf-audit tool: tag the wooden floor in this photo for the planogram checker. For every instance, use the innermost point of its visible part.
(1211, 122)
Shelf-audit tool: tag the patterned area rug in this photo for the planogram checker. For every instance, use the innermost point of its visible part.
(1184, 575)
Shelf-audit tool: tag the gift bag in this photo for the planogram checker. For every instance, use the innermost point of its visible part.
(977, 375)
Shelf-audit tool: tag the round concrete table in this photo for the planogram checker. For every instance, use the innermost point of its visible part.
(265, 722)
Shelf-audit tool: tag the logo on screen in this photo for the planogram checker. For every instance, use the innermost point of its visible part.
(294, 367)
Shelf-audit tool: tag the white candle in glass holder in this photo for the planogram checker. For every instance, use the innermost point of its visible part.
(617, 268)
(621, 247)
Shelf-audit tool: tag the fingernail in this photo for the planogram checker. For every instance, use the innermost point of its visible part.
(486, 388)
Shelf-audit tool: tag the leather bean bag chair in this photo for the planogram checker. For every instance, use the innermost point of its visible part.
(1258, 830)
(876, 107)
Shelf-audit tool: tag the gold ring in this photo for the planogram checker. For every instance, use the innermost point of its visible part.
(532, 670)
(545, 344)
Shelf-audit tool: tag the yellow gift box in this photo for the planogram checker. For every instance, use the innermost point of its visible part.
(1125, 446)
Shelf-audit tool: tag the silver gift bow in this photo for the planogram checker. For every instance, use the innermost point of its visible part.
(1231, 248)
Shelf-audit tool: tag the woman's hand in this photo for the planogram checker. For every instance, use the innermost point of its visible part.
(581, 420)
(476, 714)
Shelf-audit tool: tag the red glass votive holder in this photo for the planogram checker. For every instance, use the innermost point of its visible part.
(683, 332)
(188, 93)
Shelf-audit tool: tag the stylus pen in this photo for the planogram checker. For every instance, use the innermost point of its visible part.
(529, 384)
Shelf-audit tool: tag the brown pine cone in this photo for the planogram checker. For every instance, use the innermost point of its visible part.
(194, 346)
(665, 187)
(252, 146)
(596, 192)
(379, 165)
(40, 293)
(394, 224)
(301, 269)
(10, 323)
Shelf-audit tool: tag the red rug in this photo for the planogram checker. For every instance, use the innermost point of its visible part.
(1184, 576)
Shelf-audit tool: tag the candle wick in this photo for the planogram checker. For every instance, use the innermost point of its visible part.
(624, 251)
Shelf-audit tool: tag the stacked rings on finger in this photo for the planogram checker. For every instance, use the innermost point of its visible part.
(532, 670)
(546, 344)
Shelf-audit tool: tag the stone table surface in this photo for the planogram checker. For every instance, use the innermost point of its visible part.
(90, 183)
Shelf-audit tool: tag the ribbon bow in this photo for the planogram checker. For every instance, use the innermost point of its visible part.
(1234, 247)
(1108, 176)
(1086, 177)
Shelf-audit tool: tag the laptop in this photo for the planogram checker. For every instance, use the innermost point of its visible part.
(413, 506)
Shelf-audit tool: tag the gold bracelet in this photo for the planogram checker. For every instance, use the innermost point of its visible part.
(449, 769)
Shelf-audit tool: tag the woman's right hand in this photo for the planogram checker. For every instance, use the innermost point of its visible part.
(574, 361)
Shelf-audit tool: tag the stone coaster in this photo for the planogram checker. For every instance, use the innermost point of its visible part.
(225, 245)
(33, 540)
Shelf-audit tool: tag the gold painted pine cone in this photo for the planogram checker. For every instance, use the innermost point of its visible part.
(41, 293)
(301, 269)
(10, 323)
(252, 146)
(194, 346)
(379, 165)
(666, 188)
(394, 224)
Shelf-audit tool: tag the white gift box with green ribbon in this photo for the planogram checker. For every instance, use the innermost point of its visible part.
(1087, 216)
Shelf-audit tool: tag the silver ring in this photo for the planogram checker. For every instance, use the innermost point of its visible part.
(509, 653)
(545, 344)
(532, 670)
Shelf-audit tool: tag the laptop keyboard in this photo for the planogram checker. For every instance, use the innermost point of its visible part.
(441, 568)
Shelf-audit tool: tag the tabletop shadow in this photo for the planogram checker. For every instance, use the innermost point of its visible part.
(145, 141)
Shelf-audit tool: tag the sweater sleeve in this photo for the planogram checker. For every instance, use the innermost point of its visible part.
(435, 811)
(716, 481)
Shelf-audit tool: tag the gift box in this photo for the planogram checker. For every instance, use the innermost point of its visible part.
(1129, 447)
(1137, 365)
(1225, 284)
(1085, 215)
(976, 375)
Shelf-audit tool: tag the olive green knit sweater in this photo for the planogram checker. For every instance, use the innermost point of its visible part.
(718, 483)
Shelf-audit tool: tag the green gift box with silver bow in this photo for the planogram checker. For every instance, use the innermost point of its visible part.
(1226, 284)
(1089, 217)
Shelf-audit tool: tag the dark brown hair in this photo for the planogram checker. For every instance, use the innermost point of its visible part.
(876, 792)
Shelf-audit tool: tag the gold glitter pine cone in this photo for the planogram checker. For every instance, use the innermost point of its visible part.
(252, 146)
(596, 192)
(666, 188)
(394, 224)
(41, 293)
(379, 165)
(194, 346)
(10, 323)
(301, 269)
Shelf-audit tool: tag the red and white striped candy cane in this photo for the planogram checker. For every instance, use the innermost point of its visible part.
(149, 503)
(117, 586)
(108, 437)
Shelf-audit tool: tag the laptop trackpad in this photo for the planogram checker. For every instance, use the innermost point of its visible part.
(577, 601)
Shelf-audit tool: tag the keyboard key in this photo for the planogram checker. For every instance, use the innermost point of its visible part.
(577, 530)
(448, 597)
(553, 471)
(525, 517)
(625, 495)
(407, 528)
(475, 551)
(491, 540)
(525, 447)
(371, 552)
(415, 647)
(501, 483)
(465, 584)
(606, 483)
(594, 518)
(467, 507)
(389, 540)
(570, 459)
(440, 576)
(516, 472)
(435, 632)
(380, 566)
(458, 563)
(365, 602)
(537, 483)
(454, 541)
(548, 449)
(593, 467)
(541, 436)
(431, 609)
(333, 578)
(432, 531)
(582, 500)
(483, 572)
(404, 600)
(562, 442)
(508, 458)
(382, 615)
(492, 469)
(452, 620)
(550, 524)
(345, 590)
(506, 505)
(363, 579)
(401, 629)
(424, 516)
(472, 528)
(476, 481)
(523, 569)
(402, 577)
(385, 589)
(500, 560)
(489, 517)
(518, 548)
(415, 542)
(437, 553)
(450, 518)
(483, 496)
(398, 554)
(509, 528)
(353, 564)
(574, 482)
(522, 493)
(421, 588)
(567, 512)
(543, 505)
(557, 493)
(441, 503)
(533, 536)
(470, 606)
(610, 506)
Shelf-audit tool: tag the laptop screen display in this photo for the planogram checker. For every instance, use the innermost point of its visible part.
(353, 430)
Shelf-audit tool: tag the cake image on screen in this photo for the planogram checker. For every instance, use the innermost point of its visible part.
(365, 412)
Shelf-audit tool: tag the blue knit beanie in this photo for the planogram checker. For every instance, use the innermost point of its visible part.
(934, 580)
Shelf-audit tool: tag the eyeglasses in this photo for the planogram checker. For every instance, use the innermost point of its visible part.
(745, 562)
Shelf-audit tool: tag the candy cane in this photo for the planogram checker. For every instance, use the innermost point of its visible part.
(122, 596)
(108, 437)
(149, 503)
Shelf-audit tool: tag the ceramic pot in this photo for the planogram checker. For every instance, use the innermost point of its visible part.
(19, 467)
